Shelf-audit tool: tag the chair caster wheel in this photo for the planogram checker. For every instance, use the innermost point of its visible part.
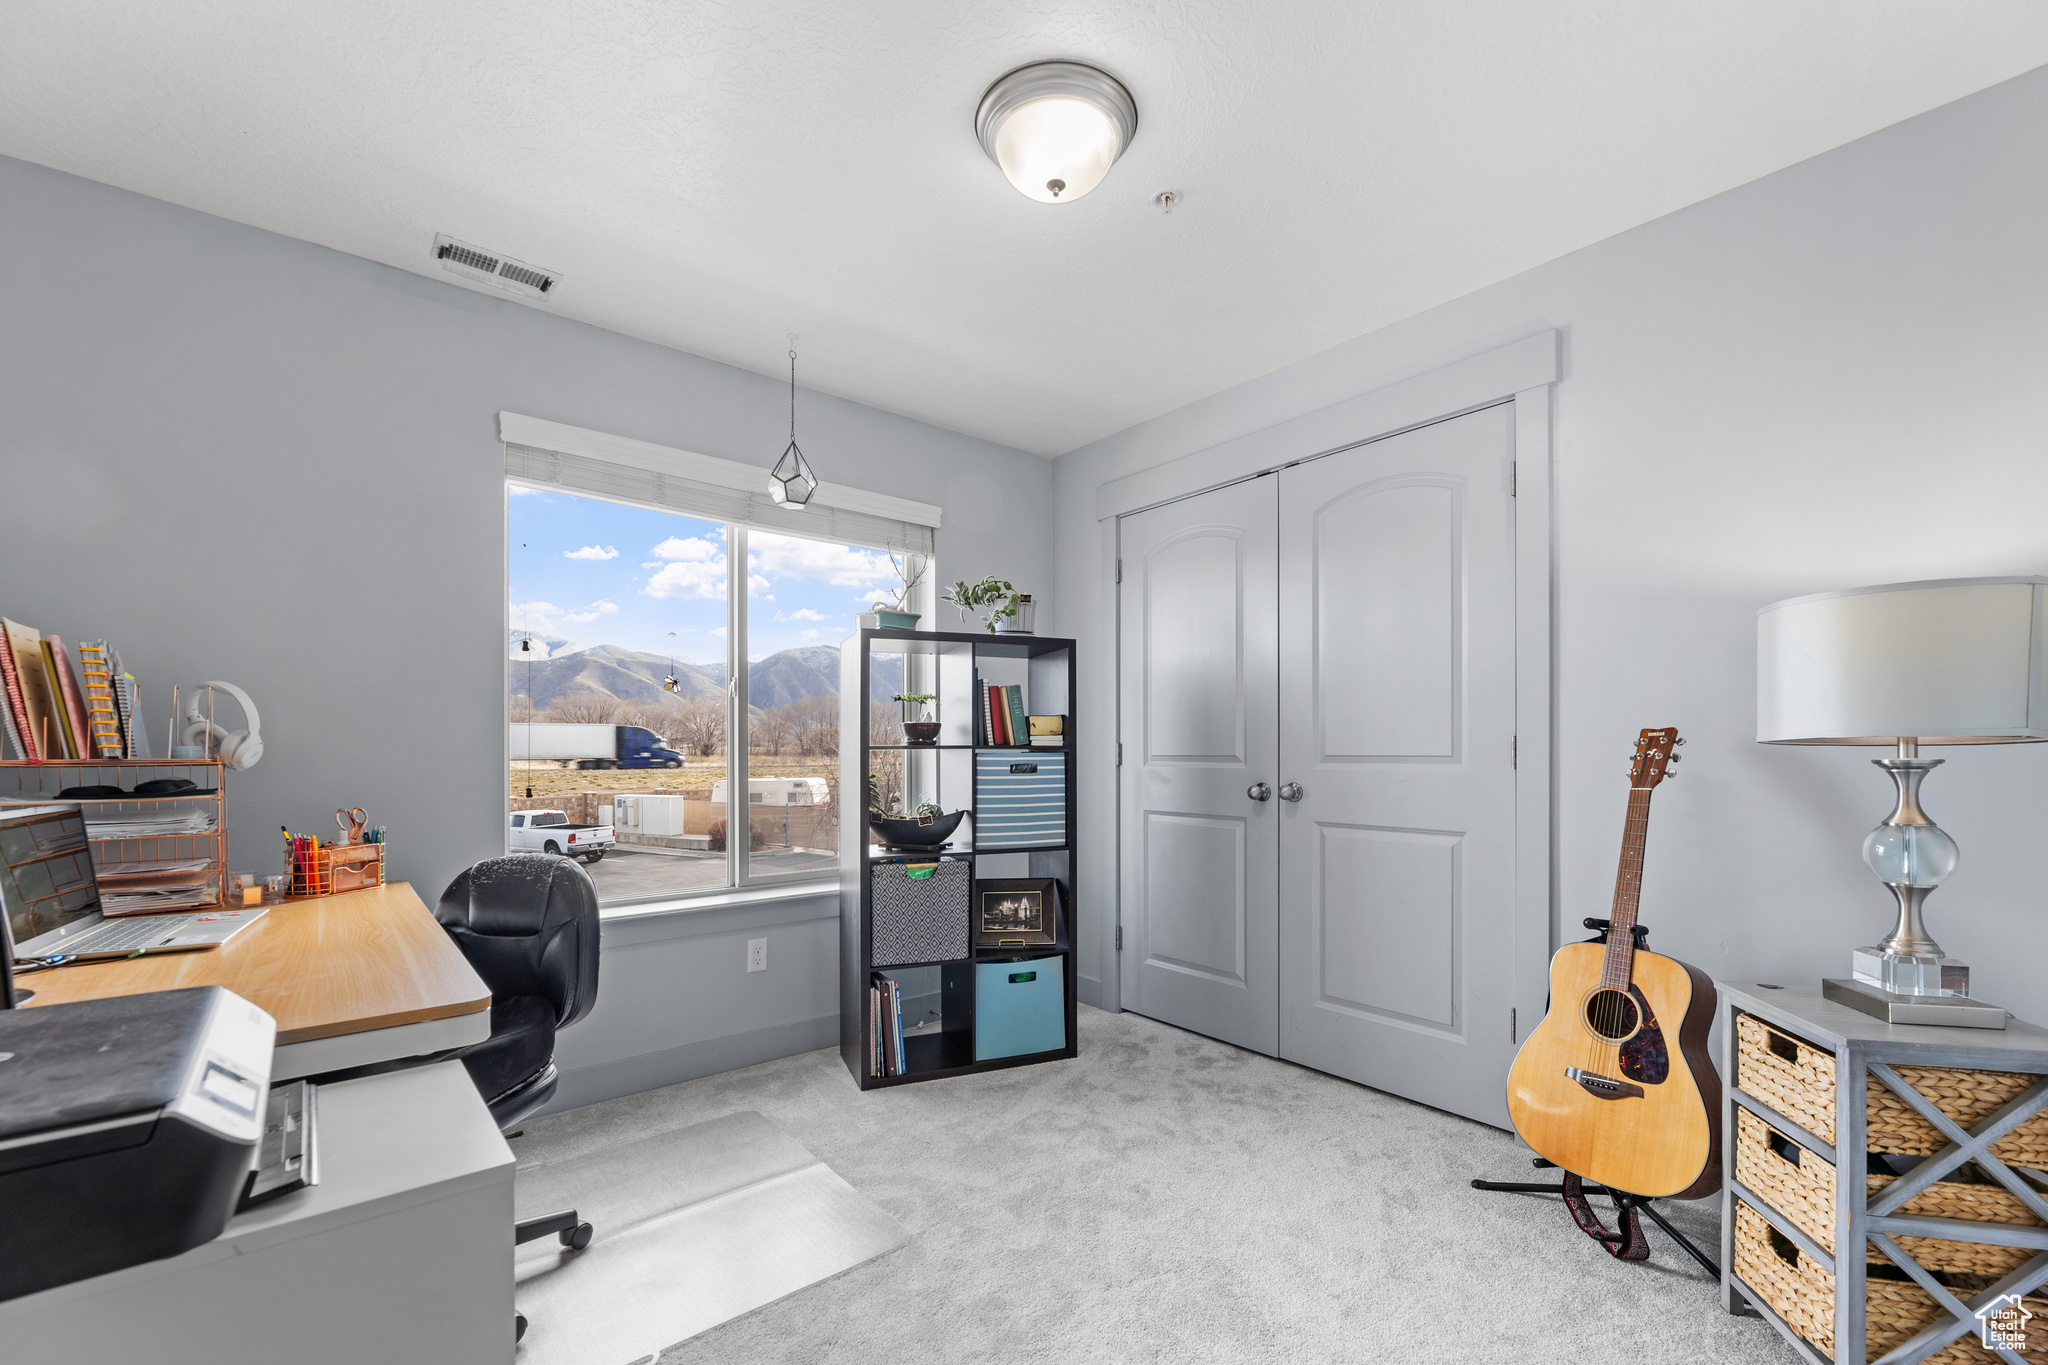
(518, 1327)
(576, 1238)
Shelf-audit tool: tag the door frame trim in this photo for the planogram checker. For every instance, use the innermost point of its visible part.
(1521, 372)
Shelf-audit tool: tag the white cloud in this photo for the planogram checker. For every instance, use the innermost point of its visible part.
(801, 614)
(518, 492)
(595, 610)
(694, 550)
(592, 552)
(790, 557)
(718, 632)
(685, 579)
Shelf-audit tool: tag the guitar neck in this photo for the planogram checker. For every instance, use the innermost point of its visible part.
(1628, 892)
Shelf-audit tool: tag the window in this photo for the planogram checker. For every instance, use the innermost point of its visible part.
(626, 628)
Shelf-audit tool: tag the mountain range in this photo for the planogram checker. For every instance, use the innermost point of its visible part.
(614, 671)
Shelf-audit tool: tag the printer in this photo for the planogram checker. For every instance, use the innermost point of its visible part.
(127, 1129)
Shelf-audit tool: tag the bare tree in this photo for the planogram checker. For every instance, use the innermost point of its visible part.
(583, 708)
(885, 725)
(699, 725)
(771, 731)
(815, 725)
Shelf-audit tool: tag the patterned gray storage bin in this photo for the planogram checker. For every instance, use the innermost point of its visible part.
(920, 919)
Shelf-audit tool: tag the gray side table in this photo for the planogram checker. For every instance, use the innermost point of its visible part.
(1863, 1047)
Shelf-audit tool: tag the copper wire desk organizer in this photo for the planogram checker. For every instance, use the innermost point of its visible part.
(333, 868)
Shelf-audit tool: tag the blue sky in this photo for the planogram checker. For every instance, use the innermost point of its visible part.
(597, 573)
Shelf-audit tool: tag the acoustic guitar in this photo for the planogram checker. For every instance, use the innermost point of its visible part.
(1599, 1087)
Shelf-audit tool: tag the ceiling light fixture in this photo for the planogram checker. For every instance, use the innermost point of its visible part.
(791, 482)
(1056, 128)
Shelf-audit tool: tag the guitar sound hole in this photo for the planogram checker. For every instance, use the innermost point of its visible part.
(1611, 1014)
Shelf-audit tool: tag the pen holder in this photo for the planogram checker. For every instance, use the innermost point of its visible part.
(334, 868)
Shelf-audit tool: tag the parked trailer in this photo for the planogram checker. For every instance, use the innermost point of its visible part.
(591, 746)
(780, 791)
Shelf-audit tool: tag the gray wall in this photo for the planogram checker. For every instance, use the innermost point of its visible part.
(1826, 378)
(241, 456)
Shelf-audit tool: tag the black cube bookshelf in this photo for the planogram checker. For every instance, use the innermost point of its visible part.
(939, 1015)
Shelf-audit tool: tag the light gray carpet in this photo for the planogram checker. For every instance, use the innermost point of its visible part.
(1168, 1198)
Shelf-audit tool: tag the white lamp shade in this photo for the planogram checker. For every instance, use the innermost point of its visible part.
(1056, 128)
(1948, 661)
(1057, 149)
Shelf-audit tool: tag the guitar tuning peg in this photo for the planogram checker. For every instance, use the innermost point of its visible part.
(1676, 742)
(1678, 758)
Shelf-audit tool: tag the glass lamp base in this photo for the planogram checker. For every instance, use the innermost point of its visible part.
(1910, 973)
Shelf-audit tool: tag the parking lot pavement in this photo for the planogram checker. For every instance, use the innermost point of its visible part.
(640, 873)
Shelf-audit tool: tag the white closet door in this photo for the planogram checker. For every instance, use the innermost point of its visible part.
(1198, 676)
(1397, 685)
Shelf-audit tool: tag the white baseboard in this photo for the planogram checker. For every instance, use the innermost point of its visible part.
(671, 1066)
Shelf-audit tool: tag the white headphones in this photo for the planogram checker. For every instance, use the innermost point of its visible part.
(238, 750)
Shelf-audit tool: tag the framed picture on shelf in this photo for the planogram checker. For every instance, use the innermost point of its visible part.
(1016, 912)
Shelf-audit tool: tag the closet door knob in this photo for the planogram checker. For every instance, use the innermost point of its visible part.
(1259, 791)
(1291, 792)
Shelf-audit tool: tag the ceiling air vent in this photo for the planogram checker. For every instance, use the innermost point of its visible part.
(500, 272)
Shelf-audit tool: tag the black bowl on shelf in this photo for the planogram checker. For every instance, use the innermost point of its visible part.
(920, 732)
(904, 832)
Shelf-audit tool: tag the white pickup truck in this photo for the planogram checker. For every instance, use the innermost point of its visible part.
(549, 831)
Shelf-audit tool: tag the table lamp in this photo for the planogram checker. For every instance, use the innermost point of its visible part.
(1948, 661)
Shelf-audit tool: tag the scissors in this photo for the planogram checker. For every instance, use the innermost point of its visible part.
(352, 823)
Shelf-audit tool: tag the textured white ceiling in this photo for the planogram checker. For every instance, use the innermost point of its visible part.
(714, 175)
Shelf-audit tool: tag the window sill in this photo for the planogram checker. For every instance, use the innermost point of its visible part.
(721, 911)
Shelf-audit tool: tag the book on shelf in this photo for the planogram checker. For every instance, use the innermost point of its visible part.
(1047, 732)
(885, 1026)
(1013, 717)
(25, 647)
(134, 734)
(10, 738)
(70, 696)
(16, 701)
(96, 680)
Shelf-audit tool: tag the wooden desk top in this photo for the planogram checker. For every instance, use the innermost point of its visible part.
(334, 965)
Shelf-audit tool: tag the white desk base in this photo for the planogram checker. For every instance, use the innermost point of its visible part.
(347, 1050)
(403, 1252)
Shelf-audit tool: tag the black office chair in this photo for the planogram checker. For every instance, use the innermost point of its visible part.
(528, 925)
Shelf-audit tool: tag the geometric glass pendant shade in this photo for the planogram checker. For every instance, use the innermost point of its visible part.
(792, 481)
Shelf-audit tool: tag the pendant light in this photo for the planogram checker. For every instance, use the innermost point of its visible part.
(1056, 128)
(792, 482)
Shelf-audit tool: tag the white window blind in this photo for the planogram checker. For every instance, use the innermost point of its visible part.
(547, 454)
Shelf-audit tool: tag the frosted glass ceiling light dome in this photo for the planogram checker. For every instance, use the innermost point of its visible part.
(1056, 128)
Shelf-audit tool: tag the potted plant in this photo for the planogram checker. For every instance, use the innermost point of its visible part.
(893, 613)
(920, 717)
(1004, 608)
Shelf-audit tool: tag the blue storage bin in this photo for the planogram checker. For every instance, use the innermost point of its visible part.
(1019, 1007)
(1020, 799)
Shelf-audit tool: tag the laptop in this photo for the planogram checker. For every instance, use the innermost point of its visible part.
(53, 902)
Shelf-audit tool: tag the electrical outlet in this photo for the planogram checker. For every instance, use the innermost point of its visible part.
(757, 954)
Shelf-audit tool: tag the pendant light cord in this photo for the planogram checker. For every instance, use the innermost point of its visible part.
(792, 387)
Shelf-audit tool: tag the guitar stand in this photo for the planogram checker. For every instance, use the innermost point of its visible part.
(1627, 1242)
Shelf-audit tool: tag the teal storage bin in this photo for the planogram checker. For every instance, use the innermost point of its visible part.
(1019, 1008)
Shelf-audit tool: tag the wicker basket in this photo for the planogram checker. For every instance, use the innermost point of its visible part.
(1789, 1074)
(1801, 1185)
(1798, 1080)
(1968, 1097)
(1803, 1294)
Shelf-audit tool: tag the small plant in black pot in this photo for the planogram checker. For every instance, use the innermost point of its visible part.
(920, 717)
